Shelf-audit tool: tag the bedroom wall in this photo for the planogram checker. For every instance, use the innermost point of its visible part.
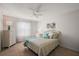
(0, 29)
(68, 24)
(0, 33)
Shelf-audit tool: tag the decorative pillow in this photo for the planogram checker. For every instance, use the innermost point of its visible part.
(53, 35)
(50, 35)
(45, 35)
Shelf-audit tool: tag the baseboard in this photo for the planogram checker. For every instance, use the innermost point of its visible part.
(69, 48)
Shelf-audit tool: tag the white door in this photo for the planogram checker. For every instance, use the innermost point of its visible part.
(12, 33)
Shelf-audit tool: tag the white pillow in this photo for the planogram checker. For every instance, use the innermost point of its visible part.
(50, 35)
(53, 35)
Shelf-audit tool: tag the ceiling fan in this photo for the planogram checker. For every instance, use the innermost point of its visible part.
(37, 10)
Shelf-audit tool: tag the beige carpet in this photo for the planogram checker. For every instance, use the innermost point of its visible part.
(19, 50)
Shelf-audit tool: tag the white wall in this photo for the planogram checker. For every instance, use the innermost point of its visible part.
(0, 33)
(68, 24)
(0, 29)
(34, 27)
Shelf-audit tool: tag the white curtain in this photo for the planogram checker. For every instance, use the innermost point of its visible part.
(23, 30)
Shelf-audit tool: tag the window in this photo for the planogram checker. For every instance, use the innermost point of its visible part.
(23, 29)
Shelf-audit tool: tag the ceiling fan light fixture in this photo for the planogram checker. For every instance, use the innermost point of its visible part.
(36, 11)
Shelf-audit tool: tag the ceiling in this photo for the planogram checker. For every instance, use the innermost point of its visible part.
(49, 10)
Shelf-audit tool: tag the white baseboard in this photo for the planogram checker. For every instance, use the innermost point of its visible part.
(69, 48)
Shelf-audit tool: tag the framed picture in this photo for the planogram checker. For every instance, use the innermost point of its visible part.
(48, 25)
(51, 25)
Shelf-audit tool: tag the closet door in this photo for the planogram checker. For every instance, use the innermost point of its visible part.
(8, 33)
(12, 34)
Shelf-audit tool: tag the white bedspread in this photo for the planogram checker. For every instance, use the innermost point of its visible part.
(43, 46)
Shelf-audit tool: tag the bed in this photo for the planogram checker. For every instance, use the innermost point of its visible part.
(43, 46)
(40, 46)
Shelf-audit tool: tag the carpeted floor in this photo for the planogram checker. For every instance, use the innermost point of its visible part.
(19, 50)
